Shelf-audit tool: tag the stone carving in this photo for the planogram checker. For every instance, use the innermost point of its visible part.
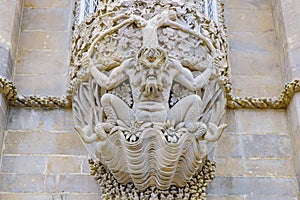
(83, 39)
(194, 189)
(149, 96)
(16, 100)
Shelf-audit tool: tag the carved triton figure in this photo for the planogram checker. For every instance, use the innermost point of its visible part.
(151, 75)
(164, 135)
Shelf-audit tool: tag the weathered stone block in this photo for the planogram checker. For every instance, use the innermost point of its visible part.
(253, 186)
(231, 122)
(252, 42)
(64, 164)
(50, 196)
(48, 84)
(23, 164)
(257, 86)
(265, 168)
(58, 19)
(27, 143)
(54, 40)
(39, 120)
(47, 3)
(230, 146)
(77, 183)
(261, 121)
(229, 167)
(267, 146)
(249, 21)
(25, 183)
(42, 62)
(255, 63)
(248, 4)
(213, 197)
(270, 197)
(7, 15)
(16, 196)
(5, 62)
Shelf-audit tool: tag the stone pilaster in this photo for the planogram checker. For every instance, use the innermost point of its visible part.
(9, 33)
(287, 19)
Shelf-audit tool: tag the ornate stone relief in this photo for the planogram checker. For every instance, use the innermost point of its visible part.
(17, 100)
(148, 91)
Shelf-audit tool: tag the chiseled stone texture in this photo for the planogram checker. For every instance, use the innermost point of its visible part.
(253, 54)
(294, 125)
(287, 22)
(46, 58)
(9, 35)
(44, 158)
(254, 157)
(3, 120)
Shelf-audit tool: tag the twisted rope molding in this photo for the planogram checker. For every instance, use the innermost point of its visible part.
(9, 91)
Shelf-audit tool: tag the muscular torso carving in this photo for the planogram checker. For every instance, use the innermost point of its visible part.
(151, 77)
(134, 142)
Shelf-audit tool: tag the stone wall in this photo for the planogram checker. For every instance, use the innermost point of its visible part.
(43, 53)
(287, 21)
(44, 159)
(9, 33)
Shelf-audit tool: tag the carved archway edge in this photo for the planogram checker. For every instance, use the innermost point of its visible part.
(14, 99)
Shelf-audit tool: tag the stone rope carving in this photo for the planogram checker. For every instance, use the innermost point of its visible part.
(8, 89)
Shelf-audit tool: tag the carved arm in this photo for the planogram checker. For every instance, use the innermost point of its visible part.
(116, 76)
(186, 78)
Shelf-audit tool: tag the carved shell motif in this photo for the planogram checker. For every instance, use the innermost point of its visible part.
(148, 99)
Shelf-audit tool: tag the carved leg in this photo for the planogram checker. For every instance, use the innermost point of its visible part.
(187, 110)
(115, 108)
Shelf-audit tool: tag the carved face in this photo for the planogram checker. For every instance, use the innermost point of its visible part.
(152, 61)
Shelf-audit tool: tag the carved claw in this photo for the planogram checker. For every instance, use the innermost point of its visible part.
(201, 131)
(100, 132)
(84, 134)
(214, 132)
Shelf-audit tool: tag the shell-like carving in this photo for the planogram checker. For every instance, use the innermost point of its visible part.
(151, 160)
(149, 97)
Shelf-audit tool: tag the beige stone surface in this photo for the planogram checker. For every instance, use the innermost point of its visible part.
(43, 156)
(52, 84)
(45, 143)
(23, 164)
(248, 4)
(254, 63)
(54, 40)
(33, 62)
(271, 167)
(257, 86)
(57, 18)
(271, 197)
(48, 196)
(64, 164)
(259, 186)
(47, 3)
(241, 20)
(211, 197)
(43, 50)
